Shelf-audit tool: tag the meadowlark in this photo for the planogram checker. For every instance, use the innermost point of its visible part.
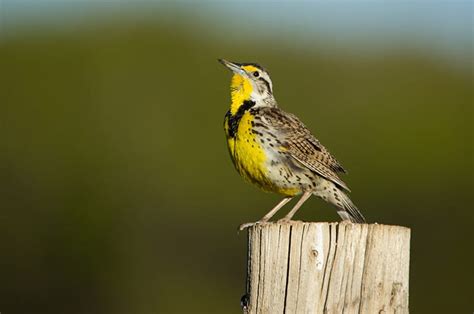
(274, 150)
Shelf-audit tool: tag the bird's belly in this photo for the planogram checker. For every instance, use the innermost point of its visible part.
(256, 163)
(287, 177)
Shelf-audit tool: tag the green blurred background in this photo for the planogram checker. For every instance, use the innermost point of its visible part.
(118, 194)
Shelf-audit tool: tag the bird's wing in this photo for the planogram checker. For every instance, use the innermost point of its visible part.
(302, 146)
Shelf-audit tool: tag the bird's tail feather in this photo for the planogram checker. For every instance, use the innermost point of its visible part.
(333, 194)
(349, 211)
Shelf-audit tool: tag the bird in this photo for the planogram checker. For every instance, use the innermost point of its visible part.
(275, 151)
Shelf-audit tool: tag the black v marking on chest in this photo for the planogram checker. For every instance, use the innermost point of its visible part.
(234, 120)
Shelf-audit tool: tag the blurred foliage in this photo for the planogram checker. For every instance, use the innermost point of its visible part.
(119, 196)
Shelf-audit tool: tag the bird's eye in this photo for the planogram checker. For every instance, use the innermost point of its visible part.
(256, 74)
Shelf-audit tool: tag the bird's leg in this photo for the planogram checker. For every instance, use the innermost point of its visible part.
(274, 210)
(303, 199)
(268, 215)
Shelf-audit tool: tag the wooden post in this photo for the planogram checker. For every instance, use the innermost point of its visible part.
(301, 267)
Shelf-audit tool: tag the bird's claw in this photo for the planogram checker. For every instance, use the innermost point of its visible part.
(247, 225)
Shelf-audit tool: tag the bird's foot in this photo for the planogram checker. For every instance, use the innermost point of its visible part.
(251, 224)
(283, 220)
(247, 225)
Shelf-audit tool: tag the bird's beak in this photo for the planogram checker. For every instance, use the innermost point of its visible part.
(232, 66)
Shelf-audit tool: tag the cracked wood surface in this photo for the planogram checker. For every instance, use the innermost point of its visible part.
(300, 267)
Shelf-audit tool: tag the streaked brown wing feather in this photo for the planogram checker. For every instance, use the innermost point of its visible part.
(302, 146)
(315, 165)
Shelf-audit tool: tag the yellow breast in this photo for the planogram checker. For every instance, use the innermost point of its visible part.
(250, 158)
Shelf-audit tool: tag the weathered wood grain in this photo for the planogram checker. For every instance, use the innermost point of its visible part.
(300, 267)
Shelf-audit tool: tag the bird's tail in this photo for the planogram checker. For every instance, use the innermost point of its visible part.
(349, 211)
(345, 208)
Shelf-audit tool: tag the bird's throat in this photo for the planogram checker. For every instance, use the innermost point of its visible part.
(240, 90)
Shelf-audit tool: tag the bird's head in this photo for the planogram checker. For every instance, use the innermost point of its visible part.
(249, 82)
